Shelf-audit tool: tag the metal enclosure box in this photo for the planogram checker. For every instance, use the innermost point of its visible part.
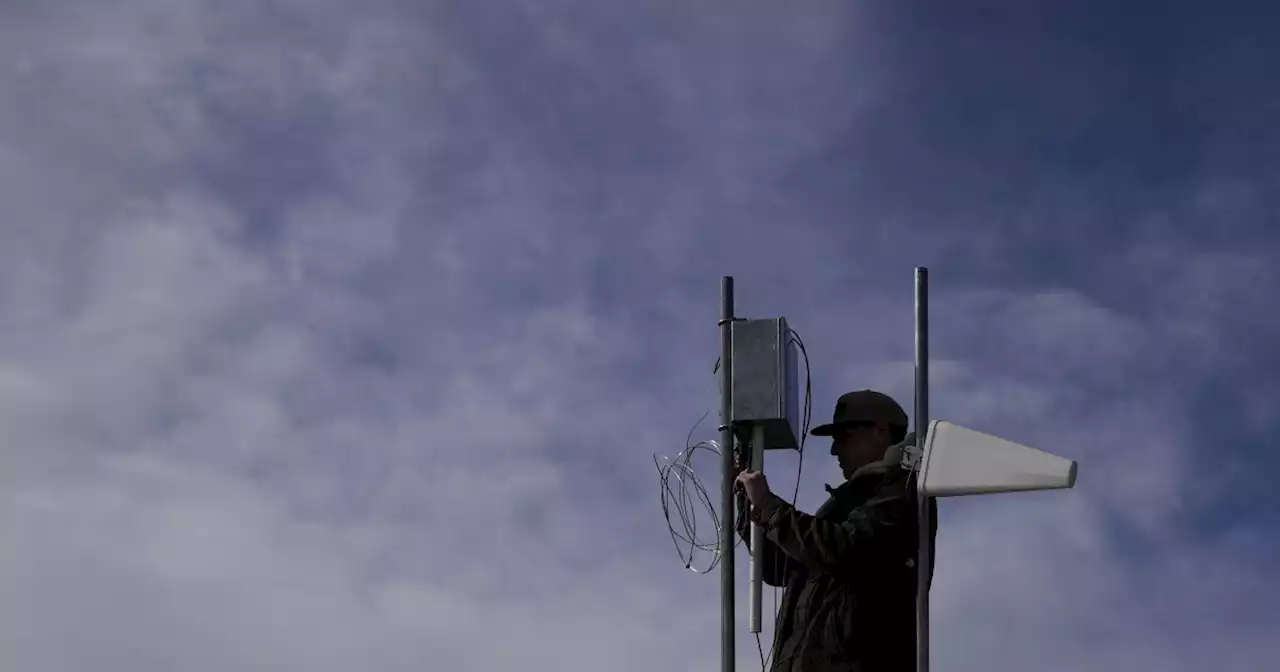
(765, 382)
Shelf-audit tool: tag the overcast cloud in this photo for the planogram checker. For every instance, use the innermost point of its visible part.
(338, 337)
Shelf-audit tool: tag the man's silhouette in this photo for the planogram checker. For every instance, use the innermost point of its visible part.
(849, 569)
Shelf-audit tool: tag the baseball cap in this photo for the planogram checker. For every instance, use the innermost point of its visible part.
(863, 406)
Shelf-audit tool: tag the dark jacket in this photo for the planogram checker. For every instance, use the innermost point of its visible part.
(849, 574)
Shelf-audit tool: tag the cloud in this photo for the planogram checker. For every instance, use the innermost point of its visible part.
(334, 341)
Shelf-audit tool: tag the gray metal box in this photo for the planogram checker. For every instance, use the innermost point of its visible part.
(765, 382)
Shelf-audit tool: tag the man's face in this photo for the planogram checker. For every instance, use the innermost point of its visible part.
(859, 444)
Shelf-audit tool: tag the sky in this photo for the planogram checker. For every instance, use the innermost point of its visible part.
(338, 337)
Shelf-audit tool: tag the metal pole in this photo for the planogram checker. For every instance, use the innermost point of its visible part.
(757, 537)
(925, 550)
(727, 520)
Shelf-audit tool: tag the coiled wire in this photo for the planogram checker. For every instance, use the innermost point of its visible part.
(681, 489)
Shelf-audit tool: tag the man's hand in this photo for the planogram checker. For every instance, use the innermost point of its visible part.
(754, 484)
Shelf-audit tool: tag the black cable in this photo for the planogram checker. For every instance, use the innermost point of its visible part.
(792, 337)
(808, 409)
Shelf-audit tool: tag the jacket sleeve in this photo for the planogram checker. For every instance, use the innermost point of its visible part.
(838, 547)
(777, 566)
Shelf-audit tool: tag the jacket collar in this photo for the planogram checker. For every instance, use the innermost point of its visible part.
(892, 460)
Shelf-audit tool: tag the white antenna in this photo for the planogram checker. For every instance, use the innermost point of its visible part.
(960, 461)
(756, 594)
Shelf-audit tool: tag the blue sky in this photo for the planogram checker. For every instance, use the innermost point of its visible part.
(338, 338)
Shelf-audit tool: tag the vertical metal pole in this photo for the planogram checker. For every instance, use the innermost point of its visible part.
(727, 520)
(925, 550)
(756, 595)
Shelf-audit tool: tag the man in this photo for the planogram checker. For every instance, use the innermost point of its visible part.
(848, 570)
